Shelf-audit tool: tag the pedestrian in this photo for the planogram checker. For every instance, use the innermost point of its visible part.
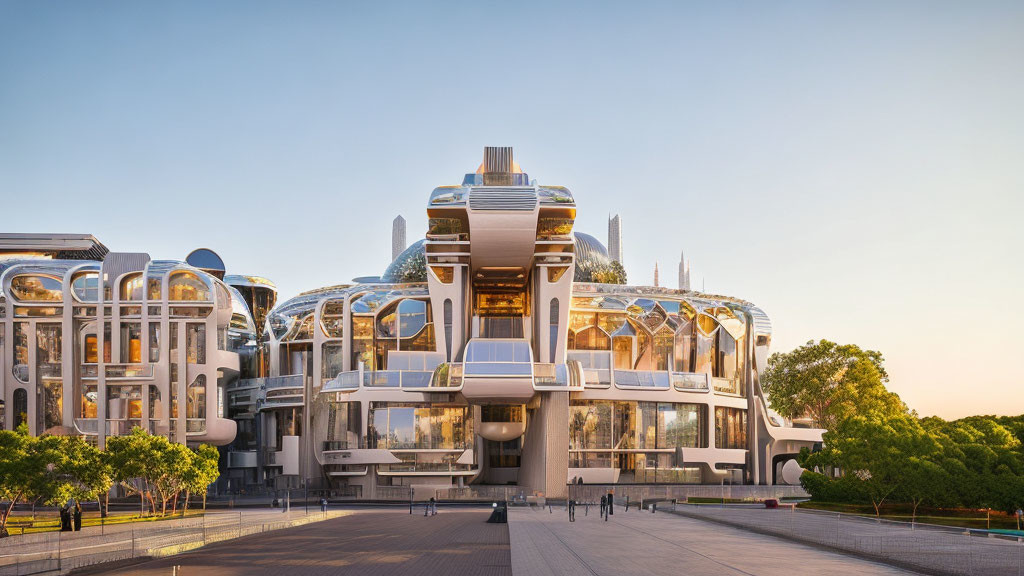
(323, 504)
(611, 504)
(78, 517)
(604, 506)
(433, 506)
(572, 510)
(426, 508)
(1020, 516)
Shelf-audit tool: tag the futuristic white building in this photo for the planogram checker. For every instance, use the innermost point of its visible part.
(502, 348)
(487, 354)
(96, 343)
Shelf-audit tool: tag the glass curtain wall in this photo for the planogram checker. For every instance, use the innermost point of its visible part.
(398, 426)
(730, 428)
(48, 374)
(599, 430)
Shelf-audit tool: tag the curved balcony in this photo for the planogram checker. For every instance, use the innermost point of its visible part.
(498, 370)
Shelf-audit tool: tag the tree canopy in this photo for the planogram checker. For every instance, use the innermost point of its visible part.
(53, 470)
(876, 450)
(829, 383)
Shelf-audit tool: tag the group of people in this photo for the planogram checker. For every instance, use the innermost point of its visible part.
(607, 507)
(430, 507)
(71, 517)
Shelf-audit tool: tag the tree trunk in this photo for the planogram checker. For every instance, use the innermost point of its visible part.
(6, 514)
(184, 509)
(204, 501)
(174, 504)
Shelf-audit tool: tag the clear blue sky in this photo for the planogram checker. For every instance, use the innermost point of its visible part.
(854, 168)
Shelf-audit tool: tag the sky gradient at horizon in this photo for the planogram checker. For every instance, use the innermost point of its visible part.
(855, 169)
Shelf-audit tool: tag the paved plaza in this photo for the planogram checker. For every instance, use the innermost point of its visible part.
(368, 542)
(535, 542)
(641, 543)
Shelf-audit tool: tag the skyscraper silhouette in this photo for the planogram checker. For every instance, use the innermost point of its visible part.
(397, 237)
(615, 238)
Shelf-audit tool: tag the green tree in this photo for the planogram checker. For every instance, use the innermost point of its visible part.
(134, 460)
(204, 471)
(829, 382)
(15, 473)
(874, 453)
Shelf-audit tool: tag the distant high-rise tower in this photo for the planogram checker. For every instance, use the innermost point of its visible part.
(684, 272)
(615, 238)
(656, 284)
(397, 237)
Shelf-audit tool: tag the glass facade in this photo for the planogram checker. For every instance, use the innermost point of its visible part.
(608, 425)
(730, 428)
(398, 426)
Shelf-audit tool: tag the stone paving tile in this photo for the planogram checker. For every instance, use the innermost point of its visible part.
(367, 543)
(640, 543)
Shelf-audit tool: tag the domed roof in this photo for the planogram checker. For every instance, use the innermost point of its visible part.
(593, 263)
(589, 248)
(410, 266)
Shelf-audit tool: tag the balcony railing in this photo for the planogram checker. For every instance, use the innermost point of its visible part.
(727, 386)
(688, 382)
(87, 425)
(121, 426)
(641, 379)
(274, 382)
(127, 371)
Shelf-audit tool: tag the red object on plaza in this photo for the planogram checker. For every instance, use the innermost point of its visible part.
(771, 503)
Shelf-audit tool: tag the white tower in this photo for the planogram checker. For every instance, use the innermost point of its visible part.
(397, 237)
(684, 272)
(615, 238)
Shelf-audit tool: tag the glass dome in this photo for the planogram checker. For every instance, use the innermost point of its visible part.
(410, 266)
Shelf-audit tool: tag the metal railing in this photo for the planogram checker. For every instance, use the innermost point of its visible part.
(66, 551)
(927, 547)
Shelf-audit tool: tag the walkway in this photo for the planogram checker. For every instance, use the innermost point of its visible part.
(648, 544)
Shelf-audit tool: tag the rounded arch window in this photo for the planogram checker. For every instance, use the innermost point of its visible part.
(86, 286)
(412, 317)
(36, 288)
(592, 338)
(187, 287)
(132, 287)
(706, 324)
(195, 400)
(20, 407)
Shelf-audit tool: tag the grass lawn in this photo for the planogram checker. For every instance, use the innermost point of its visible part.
(961, 517)
(49, 520)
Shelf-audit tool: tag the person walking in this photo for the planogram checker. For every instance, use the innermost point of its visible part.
(323, 504)
(572, 510)
(604, 507)
(611, 504)
(433, 506)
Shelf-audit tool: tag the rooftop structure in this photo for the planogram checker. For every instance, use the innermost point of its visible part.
(51, 246)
